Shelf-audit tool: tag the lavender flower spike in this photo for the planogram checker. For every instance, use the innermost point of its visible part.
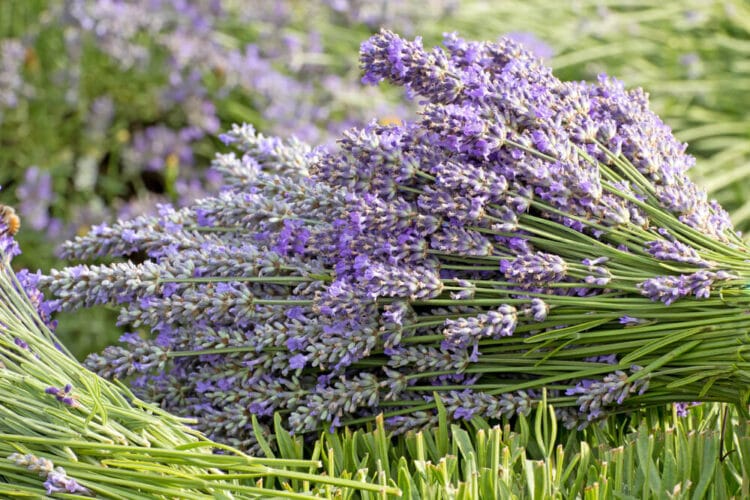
(493, 324)
(56, 479)
(675, 251)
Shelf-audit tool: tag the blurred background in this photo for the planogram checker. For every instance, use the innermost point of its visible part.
(111, 107)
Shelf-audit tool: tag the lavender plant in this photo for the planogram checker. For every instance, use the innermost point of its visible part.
(523, 234)
(688, 54)
(64, 431)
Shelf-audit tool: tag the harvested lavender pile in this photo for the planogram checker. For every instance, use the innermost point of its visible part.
(523, 234)
(65, 432)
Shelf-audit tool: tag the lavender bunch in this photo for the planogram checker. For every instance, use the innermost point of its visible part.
(523, 234)
(65, 431)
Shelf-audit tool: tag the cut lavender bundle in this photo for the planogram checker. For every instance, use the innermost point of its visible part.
(523, 234)
(65, 432)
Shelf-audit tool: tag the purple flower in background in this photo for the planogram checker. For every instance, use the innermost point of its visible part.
(532, 43)
(693, 65)
(12, 84)
(115, 25)
(189, 95)
(160, 147)
(399, 16)
(36, 195)
(100, 118)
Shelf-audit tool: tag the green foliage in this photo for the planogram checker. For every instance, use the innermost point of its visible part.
(652, 455)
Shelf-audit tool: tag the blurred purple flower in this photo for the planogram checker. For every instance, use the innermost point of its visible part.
(12, 85)
(36, 196)
(159, 146)
(532, 43)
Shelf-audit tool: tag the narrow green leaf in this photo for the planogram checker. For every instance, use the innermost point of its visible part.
(662, 360)
(442, 429)
(261, 438)
(709, 459)
(659, 343)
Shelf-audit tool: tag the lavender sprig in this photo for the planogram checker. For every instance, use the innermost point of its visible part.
(56, 480)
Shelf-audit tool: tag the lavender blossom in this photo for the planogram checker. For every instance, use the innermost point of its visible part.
(494, 324)
(631, 321)
(120, 362)
(469, 403)
(425, 358)
(539, 309)
(534, 269)
(675, 251)
(63, 395)
(668, 289)
(407, 63)
(329, 402)
(390, 281)
(56, 479)
(612, 389)
(682, 409)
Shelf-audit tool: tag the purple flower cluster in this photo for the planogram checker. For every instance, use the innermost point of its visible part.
(331, 285)
(36, 195)
(496, 323)
(192, 36)
(595, 395)
(675, 251)
(533, 269)
(56, 480)
(670, 288)
(398, 15)
(177, 73)
(63, 395)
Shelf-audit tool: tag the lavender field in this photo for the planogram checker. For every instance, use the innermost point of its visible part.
(341, 249)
